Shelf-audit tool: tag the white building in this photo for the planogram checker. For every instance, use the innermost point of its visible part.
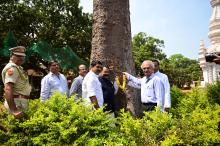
(211, 71)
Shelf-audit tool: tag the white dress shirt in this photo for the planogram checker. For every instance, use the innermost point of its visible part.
(92, 87)
(164, 79)
(52, 83)
(152, 89)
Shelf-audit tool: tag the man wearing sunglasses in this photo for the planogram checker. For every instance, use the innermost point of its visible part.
(16, 84)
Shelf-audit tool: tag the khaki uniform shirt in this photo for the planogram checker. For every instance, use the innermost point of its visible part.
(15, 74)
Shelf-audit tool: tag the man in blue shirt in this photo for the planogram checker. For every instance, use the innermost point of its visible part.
(53, 82)
(152, 88)
(76, 87)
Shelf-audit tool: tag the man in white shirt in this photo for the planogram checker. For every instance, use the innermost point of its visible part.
(164, 79)
(53, 82)
(152, 89)
(91, 86)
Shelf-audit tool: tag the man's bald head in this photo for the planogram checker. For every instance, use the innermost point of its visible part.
(82, 70)
(148, 68)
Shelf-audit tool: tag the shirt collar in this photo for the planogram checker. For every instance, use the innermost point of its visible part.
(50, 73)
(157, 72)
(94, 74)
(149, 78)
(13, 63)
(81, 77)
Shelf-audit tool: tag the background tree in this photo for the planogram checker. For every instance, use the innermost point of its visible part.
(111, 42)
(181, 70)
(145, 47)
(58, 22)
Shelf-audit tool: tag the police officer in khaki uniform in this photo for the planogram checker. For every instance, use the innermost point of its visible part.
(17, 88)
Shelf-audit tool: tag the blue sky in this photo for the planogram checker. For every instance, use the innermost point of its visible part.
(180, 23)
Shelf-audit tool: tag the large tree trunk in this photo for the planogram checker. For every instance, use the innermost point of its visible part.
(111, 42)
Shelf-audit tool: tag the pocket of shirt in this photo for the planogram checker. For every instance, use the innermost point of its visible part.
(150, 91)
(149, 87)
(54, 84)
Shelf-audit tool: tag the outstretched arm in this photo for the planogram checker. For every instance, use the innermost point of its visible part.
(133, 81)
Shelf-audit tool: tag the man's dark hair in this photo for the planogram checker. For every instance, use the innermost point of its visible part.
(95, 62)
(155, 60)
(51, 62)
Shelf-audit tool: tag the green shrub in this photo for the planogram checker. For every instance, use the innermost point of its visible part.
(59, 121)
(191, 101)
(62, 121)
(213, 92)
(197, 119)
(200, 127)
(176, 95)
(150, 130)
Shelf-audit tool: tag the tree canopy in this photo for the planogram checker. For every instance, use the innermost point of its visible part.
(146, 47)
(58, 22)
(180, 69)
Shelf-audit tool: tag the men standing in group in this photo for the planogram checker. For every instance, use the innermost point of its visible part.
(17, 88)
(152, 89)
(53, 82)
(164, 79)
(91, 86)
(108, 90)
(76, 87)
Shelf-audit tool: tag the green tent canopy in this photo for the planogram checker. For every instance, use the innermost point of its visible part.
(64, 56)
(8, 43)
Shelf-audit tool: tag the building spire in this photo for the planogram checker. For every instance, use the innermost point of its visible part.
(202, 52)
(214, 26)
(210, 70)
(202, 44)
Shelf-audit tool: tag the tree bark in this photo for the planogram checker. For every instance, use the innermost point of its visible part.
(111, 42)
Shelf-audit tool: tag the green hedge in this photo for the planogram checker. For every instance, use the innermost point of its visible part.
(213, 92)
(61, 121)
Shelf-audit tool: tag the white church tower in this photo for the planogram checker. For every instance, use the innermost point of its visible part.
(211, 71)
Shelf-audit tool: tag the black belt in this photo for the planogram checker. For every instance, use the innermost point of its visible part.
(150, 104)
